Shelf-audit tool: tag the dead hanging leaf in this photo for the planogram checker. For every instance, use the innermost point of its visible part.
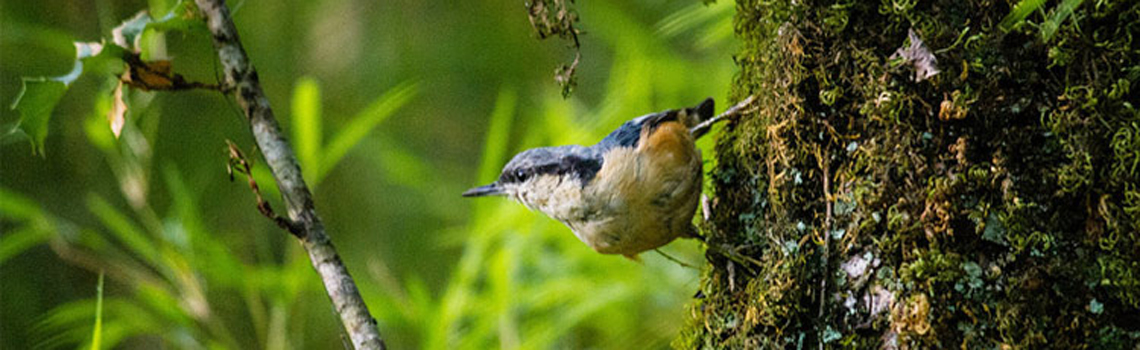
(117, 116)
(156, 75)
(153, 75)
(916, 53)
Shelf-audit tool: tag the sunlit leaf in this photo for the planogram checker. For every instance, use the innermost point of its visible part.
(307, 126)
(95, 125)
(363, 123)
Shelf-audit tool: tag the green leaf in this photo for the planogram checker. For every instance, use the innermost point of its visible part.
(307, 126)
(1060, 13)
(1018, 14)
(361, 124)
(39, 95)
(36, 100)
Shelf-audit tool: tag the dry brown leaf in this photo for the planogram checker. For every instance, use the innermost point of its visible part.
(152, 75)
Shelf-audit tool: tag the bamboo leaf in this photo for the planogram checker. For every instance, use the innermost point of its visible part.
(307, 126)
(123, 230)
(16, 241)
(362, 123)
(498, 133)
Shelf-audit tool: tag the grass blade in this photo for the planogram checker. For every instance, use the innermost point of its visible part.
(1060, 13)
(1018, 14)
(97, 332)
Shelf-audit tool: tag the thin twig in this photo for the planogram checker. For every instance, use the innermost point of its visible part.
(241, 78)
(675, 260)
(239, 164)
(704, 127)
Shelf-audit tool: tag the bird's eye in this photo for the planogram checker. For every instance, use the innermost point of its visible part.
(521, 175)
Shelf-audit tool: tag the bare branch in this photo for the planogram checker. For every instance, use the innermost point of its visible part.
(241, 79)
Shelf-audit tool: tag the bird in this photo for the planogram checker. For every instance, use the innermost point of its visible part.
(635, 190)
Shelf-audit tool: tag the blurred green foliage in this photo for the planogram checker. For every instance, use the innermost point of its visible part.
(393, 108)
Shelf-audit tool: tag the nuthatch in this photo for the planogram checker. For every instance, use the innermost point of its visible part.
(635, 190)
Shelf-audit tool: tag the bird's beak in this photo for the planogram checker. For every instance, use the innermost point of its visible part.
(487, 190)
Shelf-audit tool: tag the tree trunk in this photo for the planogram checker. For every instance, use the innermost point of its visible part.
(993, 204)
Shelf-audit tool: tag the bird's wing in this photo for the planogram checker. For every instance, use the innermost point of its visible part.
(629, 133)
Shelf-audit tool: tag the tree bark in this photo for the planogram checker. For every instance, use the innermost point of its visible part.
(241, 80)
(973, 184)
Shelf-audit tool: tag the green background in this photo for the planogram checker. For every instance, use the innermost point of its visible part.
(191, 264)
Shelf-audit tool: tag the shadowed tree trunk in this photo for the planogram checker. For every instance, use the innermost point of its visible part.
(974, 186)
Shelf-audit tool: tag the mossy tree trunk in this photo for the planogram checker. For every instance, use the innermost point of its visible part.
(995, 204)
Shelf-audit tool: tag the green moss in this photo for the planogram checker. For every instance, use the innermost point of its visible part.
(999, 197)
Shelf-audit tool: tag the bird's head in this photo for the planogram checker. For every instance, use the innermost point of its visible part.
(544, 178)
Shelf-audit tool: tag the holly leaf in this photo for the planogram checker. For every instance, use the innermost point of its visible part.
(128, 35)
(37, 98)
(39, 95)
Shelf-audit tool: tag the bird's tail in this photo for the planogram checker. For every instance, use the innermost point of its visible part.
(699, 113)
